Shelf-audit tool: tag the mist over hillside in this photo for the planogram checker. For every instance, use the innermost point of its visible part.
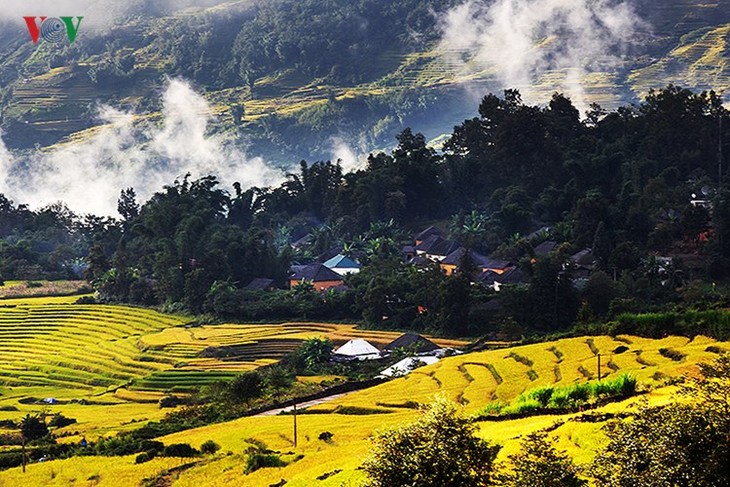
(245, 89)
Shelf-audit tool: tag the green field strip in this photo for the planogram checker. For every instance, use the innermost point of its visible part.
(93, 366)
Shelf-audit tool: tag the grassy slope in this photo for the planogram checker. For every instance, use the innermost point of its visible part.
(350, 442)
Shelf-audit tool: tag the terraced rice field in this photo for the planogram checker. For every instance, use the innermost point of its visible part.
(699, 60)
(54, 343)
(479, 378)
(77, 346)
(474, 379)
(236, 347)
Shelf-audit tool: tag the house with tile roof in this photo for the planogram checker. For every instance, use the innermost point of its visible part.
(319, 275)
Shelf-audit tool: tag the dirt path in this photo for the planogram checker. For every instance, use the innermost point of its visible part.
(313, 402)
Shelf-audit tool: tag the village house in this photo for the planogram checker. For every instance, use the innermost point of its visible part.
(319, 275)
(343, 265)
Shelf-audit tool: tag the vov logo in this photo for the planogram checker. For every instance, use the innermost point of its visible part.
(51, 29)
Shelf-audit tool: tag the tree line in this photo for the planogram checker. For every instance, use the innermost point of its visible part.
(621, 183)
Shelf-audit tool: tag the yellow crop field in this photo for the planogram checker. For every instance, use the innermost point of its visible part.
(255, 344)
(108, 366)
(470, 378)
(92, 471)
(476, 379)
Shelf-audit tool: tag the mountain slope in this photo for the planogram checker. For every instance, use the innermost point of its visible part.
(309, 75)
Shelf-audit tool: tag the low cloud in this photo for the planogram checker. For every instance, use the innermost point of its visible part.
(124, 152)
(518, 41)
(351, 158)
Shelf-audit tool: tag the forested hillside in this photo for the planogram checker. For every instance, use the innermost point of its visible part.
(293, 80)
(632, 205)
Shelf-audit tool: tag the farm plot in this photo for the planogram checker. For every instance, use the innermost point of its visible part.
(91, 349)
(240, 347)
(477, 379)
(76, 346)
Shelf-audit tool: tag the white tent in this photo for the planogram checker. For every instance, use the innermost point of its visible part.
(407, 364)
(358, 348)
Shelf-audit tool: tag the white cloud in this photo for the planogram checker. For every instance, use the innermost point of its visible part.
(350, 158)
(517, 41)
(89, 175)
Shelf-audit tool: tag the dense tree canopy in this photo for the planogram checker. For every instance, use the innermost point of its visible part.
(620, 183)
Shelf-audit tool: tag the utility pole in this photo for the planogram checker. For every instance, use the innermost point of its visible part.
(23, 436)
(295, 425)
(599, 366)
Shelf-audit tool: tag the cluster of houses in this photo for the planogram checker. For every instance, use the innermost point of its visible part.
(430, 246)
(422, 352)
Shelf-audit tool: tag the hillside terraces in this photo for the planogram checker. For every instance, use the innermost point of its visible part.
(699, 60)
(54, 343)
(77, 346)
(500, 375)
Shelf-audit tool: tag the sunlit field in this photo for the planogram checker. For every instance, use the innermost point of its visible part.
(108, 366)
(473, 379)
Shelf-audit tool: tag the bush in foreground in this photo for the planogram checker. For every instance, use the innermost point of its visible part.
(539, 464)
(438, 449)
(686, 443)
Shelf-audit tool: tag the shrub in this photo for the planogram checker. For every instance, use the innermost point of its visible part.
(438, 449)
(492, 409)
(33, 428)
(169, 401)
(542, 395)
(246, 386)
(257, 460)
(523, 405)
(144, 457)
(209, 447)
(58, 420)
(680, 444)
(539, 464)
(152, 446)
(182, 450)
(561, 399)
(579, 392)
(325, 436)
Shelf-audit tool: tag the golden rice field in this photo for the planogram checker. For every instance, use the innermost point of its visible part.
(121, 360)
(469, 378)
(478, 378)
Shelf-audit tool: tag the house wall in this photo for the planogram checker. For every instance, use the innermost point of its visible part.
(346, 270)
(448, 268)
(319, 286)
